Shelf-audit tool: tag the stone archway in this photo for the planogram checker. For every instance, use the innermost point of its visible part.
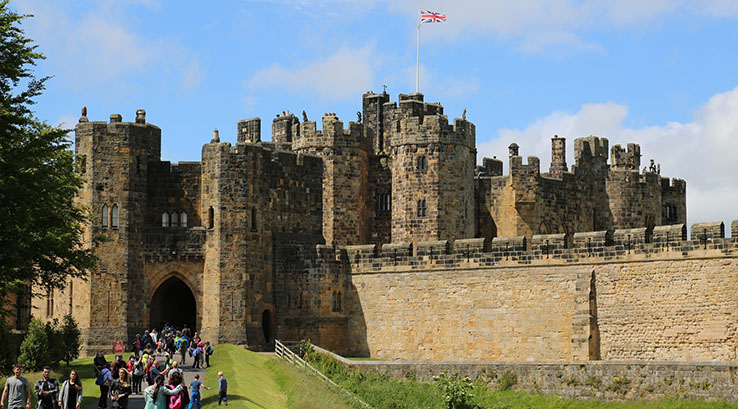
(173, 302)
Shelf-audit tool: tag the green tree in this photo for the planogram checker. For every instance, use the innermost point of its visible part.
(70, 338)
(7, 348)
(55, 346)
(34, 350)
(41, 227)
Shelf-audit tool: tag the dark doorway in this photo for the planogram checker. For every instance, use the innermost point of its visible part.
(266, 325)
(173, 302)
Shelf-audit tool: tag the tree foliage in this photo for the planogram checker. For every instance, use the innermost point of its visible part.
(41, 227)
(34, 350)
(70, 336)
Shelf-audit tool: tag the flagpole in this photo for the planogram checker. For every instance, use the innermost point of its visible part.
(417, 59)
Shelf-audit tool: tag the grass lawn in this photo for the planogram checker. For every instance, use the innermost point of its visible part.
(262, 381)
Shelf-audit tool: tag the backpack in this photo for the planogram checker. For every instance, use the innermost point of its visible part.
(100, 379)
(175, 401)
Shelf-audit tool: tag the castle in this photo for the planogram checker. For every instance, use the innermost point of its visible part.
(385, 239)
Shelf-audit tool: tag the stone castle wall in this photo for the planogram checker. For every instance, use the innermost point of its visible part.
(669, 300)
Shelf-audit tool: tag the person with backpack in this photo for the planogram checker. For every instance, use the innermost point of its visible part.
(156, 395)
(103, 381)
(182, 399)
(138, 374)
(208, 351)
(183, 344)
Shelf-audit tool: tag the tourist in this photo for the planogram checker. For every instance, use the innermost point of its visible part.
(195, 386)
(222, 389)
(120, 389)
(176, 369)
(182, 346)
(46, 390)
(175, 380)
(155, 339)
(208, 351)
(16, 390)
(98, 363)
(137, 345)
(103, 381)
(70, 395)
(156, 394)
(195, 351)
(138, 374)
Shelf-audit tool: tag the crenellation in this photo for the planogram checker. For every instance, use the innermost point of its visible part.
(431, 248)
(707, 231)
(631, 237)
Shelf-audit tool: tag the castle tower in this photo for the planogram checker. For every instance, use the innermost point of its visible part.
(634, 199)
(345, 154)
(373, 114)
(114, 158)
(282, 127)
(558, 157)
(249, 130)
(432, 174)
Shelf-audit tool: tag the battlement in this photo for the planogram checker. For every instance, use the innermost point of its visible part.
(630, 159)
(589, 148)
(434, 129)
(263, 150)
(664, 242)
(333, 135)
(676, 185)
(531, 169)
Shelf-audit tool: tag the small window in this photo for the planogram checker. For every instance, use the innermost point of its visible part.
(183, 219)
(422, 163)
(175, 219)
(114, 217)
(339, 307)
(334, 303)
(211, 218)
(421, 208)
(104, 216)
(165, 219)
(253, 219)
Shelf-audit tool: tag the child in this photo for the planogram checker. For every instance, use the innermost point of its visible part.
(222, 389)
(195, 386)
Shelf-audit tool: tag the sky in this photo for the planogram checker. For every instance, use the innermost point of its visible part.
(660, 73)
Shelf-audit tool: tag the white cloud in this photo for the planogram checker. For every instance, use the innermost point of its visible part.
(343, 74)
(99, 45)
(702, 151)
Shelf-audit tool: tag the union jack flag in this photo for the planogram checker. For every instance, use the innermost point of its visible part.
(431, 17)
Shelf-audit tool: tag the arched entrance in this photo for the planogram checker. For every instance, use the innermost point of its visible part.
(173, 302)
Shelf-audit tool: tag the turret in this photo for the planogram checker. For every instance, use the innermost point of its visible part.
(558, 157)
(249, 130)
(432, 174)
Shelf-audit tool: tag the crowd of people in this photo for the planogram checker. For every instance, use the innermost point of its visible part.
(152, 359)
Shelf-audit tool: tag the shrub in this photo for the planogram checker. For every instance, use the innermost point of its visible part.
(457, 392)
(506, 381)
(34, 350)
(70, 339)
(306, 348)
(55, 342)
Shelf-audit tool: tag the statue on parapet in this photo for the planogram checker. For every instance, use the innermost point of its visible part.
(304, 116)
(463, 114)
(358, 116)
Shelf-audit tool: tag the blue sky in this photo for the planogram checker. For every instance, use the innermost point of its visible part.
(661, 73)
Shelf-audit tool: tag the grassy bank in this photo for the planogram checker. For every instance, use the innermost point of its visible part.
(381, 391)
(262, 381)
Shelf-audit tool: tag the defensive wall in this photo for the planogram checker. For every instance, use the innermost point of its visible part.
(614, 295)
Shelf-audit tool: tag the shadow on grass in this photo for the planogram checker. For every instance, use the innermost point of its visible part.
(213, 399)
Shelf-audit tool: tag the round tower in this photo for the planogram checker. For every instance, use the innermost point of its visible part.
(432, 174)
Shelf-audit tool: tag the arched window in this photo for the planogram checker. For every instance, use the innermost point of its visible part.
(175, 219)
(183, 219)
(421, 208)
(422, 163)
(339, 307)
(333, 305)
(114, 217)
(104, 216)
(165, 219)
(211, 218)
(253, 219)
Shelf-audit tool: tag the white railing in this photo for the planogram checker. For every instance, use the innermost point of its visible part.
(285, 353)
